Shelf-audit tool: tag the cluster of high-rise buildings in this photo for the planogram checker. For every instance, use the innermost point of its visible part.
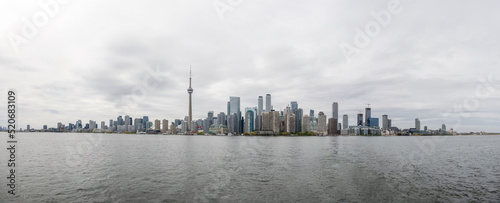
(258, 120)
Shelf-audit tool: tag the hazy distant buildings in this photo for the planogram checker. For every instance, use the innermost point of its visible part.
(374, 122)
(306, 120)
(145, 120)
(164, 128)
(269, 106)
(221, 119)
(299, 113)
(417, 124)
(294, 106)
(385, 122)
(249, 121)
(332, 126)
(368, 115)
(360, 119)
(322, 123)
(345, 121)
(234, 108)
(335, 110)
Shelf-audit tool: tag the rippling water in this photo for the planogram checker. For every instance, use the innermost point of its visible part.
(54, 167)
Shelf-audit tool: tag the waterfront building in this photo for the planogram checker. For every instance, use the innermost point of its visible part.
(290, 123)
(335, 111)
(368, 115)
(234, 108)
(374, 122)
(260, 106)
(360, 119)
(157, 124)
(345, 121)
(233, 123)
(164, 128)
(417, 124)
(126, 121)
(218, 129)
(299, 113)
(249, 121)
(322, 123)
(332, 126)
(145, 120)
(385, 122)
(306, 120)
(221, 119)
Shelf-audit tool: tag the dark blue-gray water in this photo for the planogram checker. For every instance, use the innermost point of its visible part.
(55, 167)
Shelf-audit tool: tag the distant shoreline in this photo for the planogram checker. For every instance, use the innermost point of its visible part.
(487, 134)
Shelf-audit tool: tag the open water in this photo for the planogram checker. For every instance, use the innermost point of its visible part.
(72, 167)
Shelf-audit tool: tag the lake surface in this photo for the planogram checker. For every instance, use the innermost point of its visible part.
(57, 167)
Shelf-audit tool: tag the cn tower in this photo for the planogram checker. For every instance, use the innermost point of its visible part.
(190, 91)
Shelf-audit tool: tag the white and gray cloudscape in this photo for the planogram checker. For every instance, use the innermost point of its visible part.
(94, 60)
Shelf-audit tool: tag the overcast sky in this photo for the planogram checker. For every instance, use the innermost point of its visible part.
(94, 60)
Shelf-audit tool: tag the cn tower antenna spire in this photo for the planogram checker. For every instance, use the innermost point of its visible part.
(190, 115)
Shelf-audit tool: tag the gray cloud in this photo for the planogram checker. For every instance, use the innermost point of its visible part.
(85, 63)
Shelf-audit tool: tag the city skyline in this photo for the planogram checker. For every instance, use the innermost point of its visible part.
(89, 62)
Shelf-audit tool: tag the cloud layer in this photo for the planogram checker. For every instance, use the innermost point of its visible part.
(92, 60)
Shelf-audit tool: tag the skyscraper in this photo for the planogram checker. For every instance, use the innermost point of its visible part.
(249, 124)
(385, 122)
(417, 124)
(345, 121)
(368, 115)
(157, 124)
(119, 120)
(164, 128)
(306, 120)
(127, 122)
(260, 105)
(311, 113)
(295, 106)
(335, 110)
(234, 108)
(221, 119)
(145, 120)
(190, 91)
(443, 127)
(298, 120)
(268, 103)
(322, 123)
(332, 126)
(360, 119)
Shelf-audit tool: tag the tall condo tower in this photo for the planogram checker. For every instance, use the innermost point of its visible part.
(268, 103)
(260, 106)
(190, 91)
(368, 115)
(335, 110)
